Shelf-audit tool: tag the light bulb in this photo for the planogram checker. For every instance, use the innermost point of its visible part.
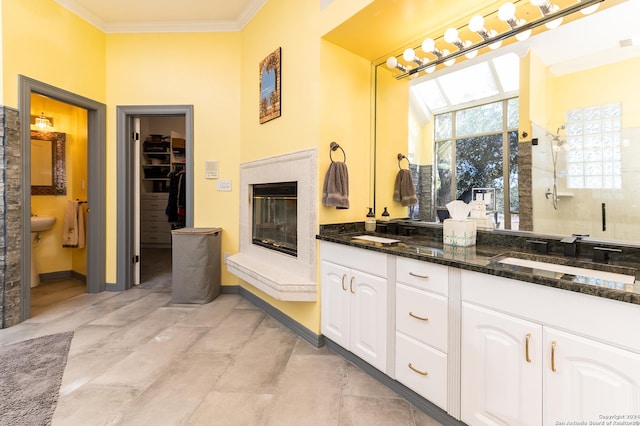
(507, 11)
(554, 24)
(392, 62)
(476, 23)
(494, 46)
(449, 62)
(430, 69)
(472, 54)
(590, 9)
(409, 55)
(523, 35)
(538, 2)
(451, 35)
(428, 45)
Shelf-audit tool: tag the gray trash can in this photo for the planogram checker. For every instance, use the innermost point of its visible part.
(195, 265)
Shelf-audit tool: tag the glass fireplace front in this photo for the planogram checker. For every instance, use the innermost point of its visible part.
(275, 216)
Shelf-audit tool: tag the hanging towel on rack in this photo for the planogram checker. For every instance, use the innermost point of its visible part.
(335, 192)
(73, 230)
(403, 189)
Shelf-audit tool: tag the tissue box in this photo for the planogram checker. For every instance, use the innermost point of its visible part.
(459, 232)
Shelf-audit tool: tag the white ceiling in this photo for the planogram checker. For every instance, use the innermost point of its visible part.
(139, 16)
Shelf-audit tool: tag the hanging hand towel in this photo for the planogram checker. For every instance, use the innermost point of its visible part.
(336, 186)
(403, 189)
(70, 225)
(82, 231)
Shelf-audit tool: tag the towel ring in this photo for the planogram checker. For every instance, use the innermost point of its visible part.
(402, 157)
(334, 146)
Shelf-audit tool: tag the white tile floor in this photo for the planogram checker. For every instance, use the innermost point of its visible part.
(137, 359)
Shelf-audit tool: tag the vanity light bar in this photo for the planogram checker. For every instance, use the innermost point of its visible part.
(500, 37)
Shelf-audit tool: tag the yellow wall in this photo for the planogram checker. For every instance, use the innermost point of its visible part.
(199, 69)
(46, 42)
(325, 97)
(49, 255)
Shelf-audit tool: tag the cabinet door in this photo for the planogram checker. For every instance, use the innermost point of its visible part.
(369, 318)
(335, 296)
(501, 382)
(590, 380)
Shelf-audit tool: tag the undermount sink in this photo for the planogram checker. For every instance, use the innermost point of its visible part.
(561, 269)
(42, 223)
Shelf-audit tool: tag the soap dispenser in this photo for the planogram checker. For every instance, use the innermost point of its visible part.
(370, 221)
(385, 215)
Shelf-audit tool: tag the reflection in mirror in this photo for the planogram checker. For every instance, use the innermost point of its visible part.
(48, 174)
(572, 171)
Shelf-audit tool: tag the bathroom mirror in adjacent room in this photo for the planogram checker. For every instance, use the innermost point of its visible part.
(48, 174)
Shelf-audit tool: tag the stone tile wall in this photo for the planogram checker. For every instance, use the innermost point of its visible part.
(10, 218)
(525, 186)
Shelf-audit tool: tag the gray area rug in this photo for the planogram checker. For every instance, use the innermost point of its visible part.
(30, 376)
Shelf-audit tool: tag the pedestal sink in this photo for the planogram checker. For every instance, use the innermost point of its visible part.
(38, 224)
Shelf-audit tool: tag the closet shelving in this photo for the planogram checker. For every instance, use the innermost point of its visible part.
(161, 155)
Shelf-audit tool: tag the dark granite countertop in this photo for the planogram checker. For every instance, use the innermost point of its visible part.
(484, 258)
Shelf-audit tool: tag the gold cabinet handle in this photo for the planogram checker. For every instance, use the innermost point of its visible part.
(553, 356)
(351, 285)
(419, 317)
(426, 277)
(527, 357)
(422, 373)
(344, 288)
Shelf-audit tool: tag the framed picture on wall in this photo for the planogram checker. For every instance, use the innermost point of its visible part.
(270, 105)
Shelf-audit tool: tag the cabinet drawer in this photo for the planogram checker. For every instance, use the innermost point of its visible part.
(153, 227)
(422, 315)
(155, 196)
(153, 216)
(156, 237)
(424, 275)
(411, 355)
(158, 205)
(368, 261)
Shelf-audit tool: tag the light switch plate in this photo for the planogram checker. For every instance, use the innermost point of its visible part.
(223, 185)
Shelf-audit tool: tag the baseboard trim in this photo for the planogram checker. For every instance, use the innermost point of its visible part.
(418, 401)
(60, 275)
(302, 331)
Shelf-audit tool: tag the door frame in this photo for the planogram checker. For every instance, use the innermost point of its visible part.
(96, 183)
(125, 185)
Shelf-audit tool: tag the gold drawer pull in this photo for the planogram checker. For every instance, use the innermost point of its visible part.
(351, 285)
(344, 276)
(423, 373)
(418, 317)
(553, 356)
(527, 357)
(426, 277)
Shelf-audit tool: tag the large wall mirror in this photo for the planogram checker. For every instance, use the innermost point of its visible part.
(552, 124)
(48, 174)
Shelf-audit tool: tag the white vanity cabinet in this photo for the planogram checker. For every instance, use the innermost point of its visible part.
(421, 328)
(537, 355)
(354, 302)
(585, 379)
(501, 367)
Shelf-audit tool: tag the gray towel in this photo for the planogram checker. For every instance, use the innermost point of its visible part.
(336, 186)
(403, 189)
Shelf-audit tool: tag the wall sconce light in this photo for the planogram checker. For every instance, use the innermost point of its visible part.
(552, 16)
(392, 63)
(476, 24)
(507, 13)
(451, 36)
(429, 46)
(409, 55)
(43, 122)
(546, 8)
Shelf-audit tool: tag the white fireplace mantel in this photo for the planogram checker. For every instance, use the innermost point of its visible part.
(284, 277)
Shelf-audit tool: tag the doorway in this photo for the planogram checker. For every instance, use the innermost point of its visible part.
(95, 184)
(144, 178)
